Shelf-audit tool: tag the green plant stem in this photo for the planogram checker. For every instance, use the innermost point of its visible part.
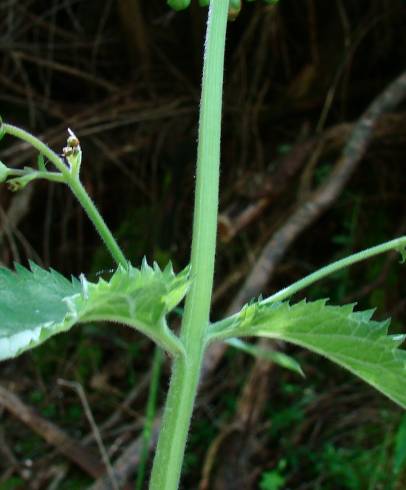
(398, 244)
(95, 217)
(77, 188)
(38, 145)
(186, 369)
(40, 174)
(36, 174)
(51, 176)
(149, 416)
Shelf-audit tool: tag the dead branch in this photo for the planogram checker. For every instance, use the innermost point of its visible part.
(53, 435)
(237, 440)
(268, 186)
(127, 463)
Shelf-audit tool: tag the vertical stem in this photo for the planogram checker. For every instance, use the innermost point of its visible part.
(207, 179)
(186, 369)
(149, 416)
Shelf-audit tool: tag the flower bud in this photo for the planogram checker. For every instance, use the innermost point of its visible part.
(73, 140)
(67, 151)
(178, 4)
(19, 183)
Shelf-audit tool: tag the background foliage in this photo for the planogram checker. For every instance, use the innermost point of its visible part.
(125, 76)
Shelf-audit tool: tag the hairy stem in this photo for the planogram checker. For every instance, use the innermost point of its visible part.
(96, 218)
(33, 141)
(396, 244)
(186, 369)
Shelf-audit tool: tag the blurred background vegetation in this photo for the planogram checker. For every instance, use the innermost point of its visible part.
(125, 76)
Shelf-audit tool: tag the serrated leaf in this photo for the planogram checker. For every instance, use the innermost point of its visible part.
(139, 298)
(36, 304)
(31, 307)
(350, 339)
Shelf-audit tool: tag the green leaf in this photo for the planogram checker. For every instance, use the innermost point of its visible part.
(350, 339)
(36, 304)
(270, 355)
(139, 298)
(272, 480)
(31, 307)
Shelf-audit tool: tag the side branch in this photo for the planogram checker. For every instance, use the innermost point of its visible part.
(323, 197)
(314, 206)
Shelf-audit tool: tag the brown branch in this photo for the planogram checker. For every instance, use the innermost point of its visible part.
(10, 219)
(66, 69)
(135, 29)
(237, 441)
(53, 435)
(267, 187)
(127, 463)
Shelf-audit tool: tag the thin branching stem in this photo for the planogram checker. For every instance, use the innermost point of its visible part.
(73, 181)
(398, 244)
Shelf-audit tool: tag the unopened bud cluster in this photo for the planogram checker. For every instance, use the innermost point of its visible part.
(72, 147)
